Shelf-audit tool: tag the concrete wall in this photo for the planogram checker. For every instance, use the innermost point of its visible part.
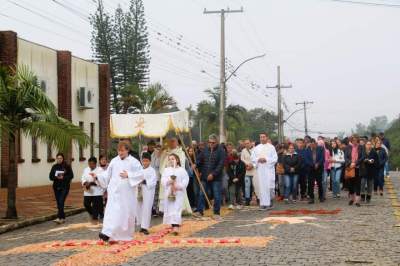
(43, 62)
(84, 74)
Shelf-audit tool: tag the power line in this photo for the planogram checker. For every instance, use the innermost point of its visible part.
(41, 28)
(366, 3)
(47, 18)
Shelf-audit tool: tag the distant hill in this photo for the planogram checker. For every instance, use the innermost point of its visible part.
(393, 135)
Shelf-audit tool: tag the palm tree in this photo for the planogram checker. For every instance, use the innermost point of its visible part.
(150, 100)
(25, 108)
(208, 112)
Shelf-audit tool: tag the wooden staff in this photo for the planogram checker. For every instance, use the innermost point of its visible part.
(195, 170)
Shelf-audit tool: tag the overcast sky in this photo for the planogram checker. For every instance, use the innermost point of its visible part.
(343, 57)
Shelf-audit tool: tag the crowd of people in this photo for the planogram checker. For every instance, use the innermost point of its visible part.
(170, 181)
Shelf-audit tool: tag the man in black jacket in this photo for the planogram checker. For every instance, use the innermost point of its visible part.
(210, 164)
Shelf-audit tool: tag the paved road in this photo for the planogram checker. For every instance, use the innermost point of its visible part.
(355, 236)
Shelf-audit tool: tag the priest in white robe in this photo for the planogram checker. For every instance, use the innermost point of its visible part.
(123, 174)
(264, 158)
(145, 196)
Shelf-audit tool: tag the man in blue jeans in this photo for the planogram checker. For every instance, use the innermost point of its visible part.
(210, 164)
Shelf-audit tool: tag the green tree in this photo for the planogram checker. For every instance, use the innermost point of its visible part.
(138, 45)
(121, 40)
(121, 29)
(104, 47)
(25, 108)
(378, 124)
(150, 100)
(240, 123)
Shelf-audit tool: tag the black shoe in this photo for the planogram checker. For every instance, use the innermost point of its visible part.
(358, 204)
(322, 200)
(381, 194)
(351, 202)
(362, 197)
(368, 198)
(104, 237)
(311, 201)
(144, 231)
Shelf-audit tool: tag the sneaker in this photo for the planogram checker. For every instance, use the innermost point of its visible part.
(239, 207)
(59, 221)
(217, 217)
(230, 207)
(294, 201)
(286, 201)
(334, 196)
(262, 208)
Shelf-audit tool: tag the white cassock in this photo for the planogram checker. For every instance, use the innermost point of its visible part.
(145, 206)
(173, 209)
(120, 213)
(265, 171)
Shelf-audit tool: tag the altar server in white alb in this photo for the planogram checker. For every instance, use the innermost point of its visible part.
(123, 174)
(93, 192)
(174, 181)
(264, 158)
(145, 194)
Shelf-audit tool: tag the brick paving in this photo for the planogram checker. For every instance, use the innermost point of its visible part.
(355, 236)
(39, 201)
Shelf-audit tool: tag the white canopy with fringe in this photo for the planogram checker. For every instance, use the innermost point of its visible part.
(148, 125)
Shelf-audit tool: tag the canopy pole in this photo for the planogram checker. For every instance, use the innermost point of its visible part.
(195, 170)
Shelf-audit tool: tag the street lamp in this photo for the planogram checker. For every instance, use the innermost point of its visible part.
(298, 110)
(222, 136)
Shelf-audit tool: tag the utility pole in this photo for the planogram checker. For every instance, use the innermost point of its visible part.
(279, 86)
(222, 12)
(305, 114)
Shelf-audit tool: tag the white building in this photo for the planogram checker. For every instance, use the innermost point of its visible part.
(80, 90)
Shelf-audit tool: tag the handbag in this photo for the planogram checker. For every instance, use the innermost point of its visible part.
(280, 170)
(349, 172)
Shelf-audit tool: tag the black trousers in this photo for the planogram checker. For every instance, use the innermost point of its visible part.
(94, 206)
(315, 175)
(354, 184)
(303, 179)
(61, 194)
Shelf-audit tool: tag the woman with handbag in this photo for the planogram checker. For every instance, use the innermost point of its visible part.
(354, 155)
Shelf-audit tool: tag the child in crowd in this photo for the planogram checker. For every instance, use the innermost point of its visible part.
(93, 192)
(236, 171)
(145, 194)
(174, 181)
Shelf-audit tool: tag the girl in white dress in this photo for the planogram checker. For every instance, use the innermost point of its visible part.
(174, 181)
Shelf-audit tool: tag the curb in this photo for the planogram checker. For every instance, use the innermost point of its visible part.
(37, 220)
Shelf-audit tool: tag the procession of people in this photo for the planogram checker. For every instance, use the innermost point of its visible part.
(171, 181)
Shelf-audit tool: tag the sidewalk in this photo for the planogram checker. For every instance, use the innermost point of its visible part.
(35, 204)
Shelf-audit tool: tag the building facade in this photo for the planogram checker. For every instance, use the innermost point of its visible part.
(79, 88)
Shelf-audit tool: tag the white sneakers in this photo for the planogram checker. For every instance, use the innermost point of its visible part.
(59, 221)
